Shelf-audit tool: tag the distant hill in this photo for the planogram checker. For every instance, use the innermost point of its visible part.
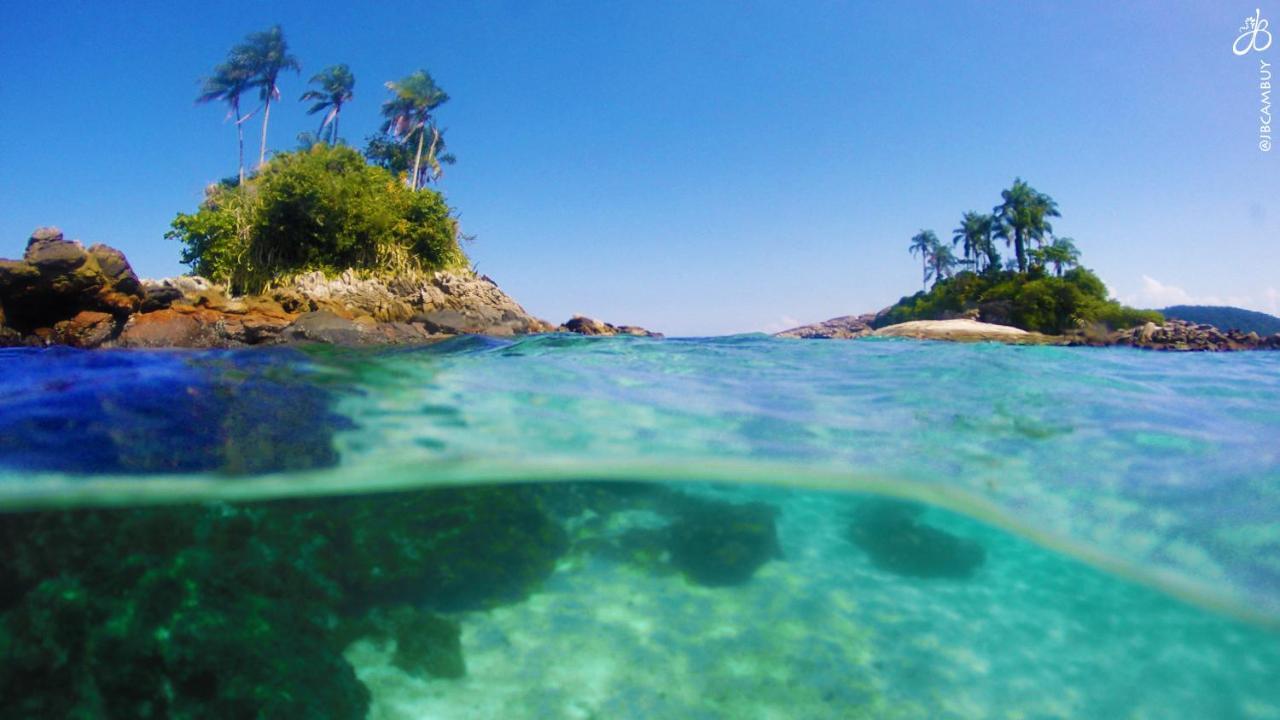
(1226, 318)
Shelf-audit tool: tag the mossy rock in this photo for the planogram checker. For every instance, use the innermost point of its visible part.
(719, 544)
(426, 643)
(185, 612)
(895, 540)
(447, 549)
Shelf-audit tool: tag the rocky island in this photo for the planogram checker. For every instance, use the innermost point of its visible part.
(62, 293)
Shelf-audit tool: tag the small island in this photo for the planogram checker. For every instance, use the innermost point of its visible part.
(1042, 296)
(322, 243)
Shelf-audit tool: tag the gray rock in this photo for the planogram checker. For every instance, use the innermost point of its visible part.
(841, 328)
(325, 327)
(52, 257)
(45, 234)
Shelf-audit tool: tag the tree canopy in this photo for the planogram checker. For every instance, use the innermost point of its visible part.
(325, 208)
(1022, 294)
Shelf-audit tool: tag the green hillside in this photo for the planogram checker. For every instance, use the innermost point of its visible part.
(1226, 318)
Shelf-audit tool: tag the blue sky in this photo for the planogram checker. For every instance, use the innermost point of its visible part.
(697, 168)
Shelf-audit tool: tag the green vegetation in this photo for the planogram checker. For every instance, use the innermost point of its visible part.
(324, 206)
(324, 209)
(1024, 295)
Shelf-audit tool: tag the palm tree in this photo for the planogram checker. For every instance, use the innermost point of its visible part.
(387, 152)
(268, 54)
(1060, 253)
(335, 85)
(941, 262)
(1021, 217)
(408, 113)
(924, 243)
(975, 233)
(228, 82)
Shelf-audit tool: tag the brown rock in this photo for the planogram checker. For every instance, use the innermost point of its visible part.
(172, 328)
(88, 329)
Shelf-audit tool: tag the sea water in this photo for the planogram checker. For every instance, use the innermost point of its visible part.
(737, 527)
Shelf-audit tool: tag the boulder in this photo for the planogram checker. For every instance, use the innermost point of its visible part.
(325, 327)
(582, 325)
(88, 329)
(58, 279)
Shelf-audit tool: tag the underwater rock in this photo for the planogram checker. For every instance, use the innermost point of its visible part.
(426, 644)
(227, 610)
(895, 540)
(212, 611)
(447, 549)
(717, 543)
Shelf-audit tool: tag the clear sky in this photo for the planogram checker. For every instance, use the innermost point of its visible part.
(700, 167)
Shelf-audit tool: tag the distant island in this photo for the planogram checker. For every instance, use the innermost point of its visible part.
(1043, 295)
(1226, 317)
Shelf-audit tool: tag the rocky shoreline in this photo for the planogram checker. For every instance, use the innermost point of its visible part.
(61, 293)
(1173, 335)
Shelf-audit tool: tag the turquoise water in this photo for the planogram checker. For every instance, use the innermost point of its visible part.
(939, 530)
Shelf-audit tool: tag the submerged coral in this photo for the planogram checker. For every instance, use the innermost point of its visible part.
(722, 543)
(229, 611)
(892, 536)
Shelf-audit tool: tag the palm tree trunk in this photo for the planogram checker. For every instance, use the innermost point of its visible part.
(417, 161)
(334, 138)
(1021, 252)
(266, 115)
(239, 137)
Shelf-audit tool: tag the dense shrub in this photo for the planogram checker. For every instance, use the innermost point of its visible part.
(1032, 301)
(324, 208)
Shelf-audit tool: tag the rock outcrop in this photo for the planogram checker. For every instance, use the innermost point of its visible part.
(964, 331)
(62, 293)
(846, 327)
(1179, 335)
(583, 325)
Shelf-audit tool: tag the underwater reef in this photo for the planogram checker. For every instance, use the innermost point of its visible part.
(893, 537)
(231, 611)
(243, 610)
(665, 531)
